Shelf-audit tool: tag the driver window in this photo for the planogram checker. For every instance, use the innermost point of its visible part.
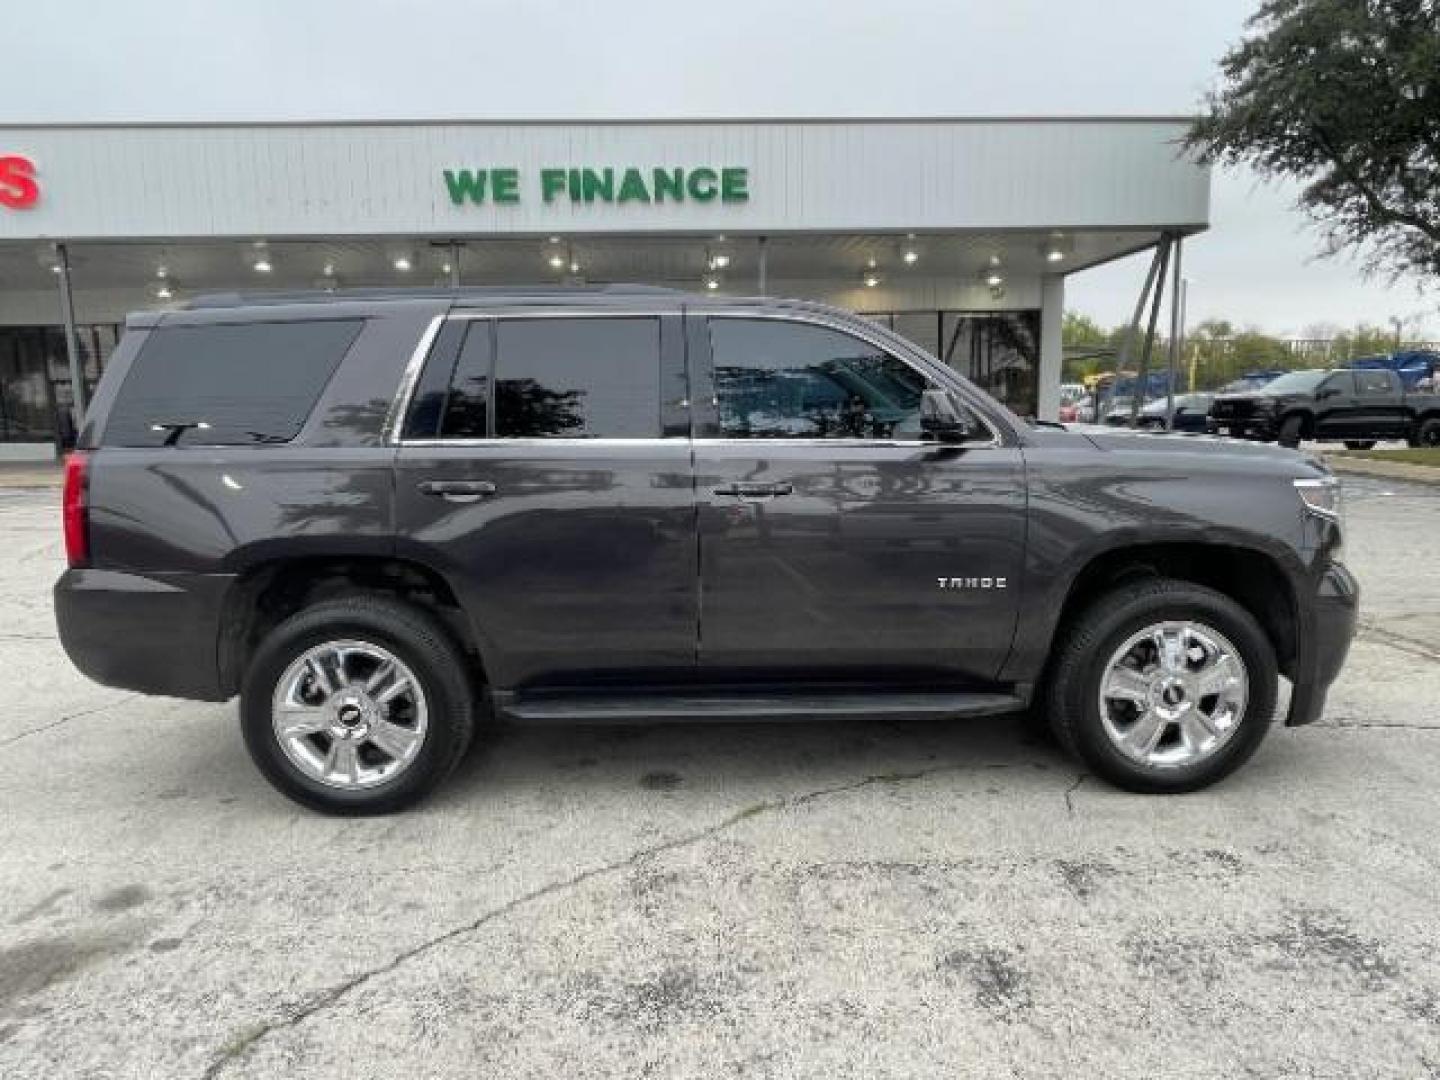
(788, 380)
(1341, 383)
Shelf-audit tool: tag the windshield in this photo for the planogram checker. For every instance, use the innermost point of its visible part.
(1296, 382)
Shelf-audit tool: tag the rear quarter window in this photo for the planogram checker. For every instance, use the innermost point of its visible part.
(252, 383)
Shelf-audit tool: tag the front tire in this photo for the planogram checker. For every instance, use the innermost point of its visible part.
(1163, 686)
(1290, 431)
(357, 706)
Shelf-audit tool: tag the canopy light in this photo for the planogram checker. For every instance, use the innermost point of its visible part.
(712, 283)
(445, 268)
(402, 263)
(261, 266)
(574, 266)
(164, 290)
(871, 279)
(557, 261)
(911, 256)
(719, 262)
(162, 272)
(329, 269)
(994, 278)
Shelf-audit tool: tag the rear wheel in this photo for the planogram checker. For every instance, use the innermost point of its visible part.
(1290, 430)
(1163, 686)
(357, 706)
(1427, 434)
(1359, 444)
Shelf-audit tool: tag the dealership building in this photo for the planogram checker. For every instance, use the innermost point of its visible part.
(957, 233)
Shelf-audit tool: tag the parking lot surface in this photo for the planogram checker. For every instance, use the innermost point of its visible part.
(860, 899)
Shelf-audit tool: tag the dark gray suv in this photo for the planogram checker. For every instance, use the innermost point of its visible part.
(383, 518)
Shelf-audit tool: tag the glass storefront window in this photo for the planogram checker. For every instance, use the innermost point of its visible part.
(35, 393)
(999, 351)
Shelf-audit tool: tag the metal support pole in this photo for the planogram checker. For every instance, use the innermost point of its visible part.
(763, 269)
(1177, 328)
(454, 264)
(72, 340)
(1142, 374)
(1133, 328)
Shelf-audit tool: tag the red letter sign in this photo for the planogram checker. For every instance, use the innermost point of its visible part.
(18, 189)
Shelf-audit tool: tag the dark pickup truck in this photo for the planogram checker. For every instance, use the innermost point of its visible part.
(387, 520)
(1356, 407)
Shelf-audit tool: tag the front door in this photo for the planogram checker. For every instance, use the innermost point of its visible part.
(545, 471)
(835, 542)
(1336, 406)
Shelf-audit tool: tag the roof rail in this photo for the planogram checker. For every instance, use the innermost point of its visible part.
(476, 292)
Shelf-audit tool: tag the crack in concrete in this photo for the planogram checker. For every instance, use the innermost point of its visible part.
(240, 1047)
(1357, 725)
(1404, 644)
(66, 719)
(1070, 791)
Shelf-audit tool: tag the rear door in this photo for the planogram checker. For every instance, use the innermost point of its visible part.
(1380, 411)
(545, 469)
(835, 542)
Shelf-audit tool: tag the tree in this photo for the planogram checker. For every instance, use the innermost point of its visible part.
(1344, 96)
(1078, 329)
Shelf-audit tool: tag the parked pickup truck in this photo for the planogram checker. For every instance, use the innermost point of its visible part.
(389, 520)
(1357, 407)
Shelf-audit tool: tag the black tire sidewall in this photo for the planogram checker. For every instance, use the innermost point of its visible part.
(1289, 431)
(417, 640)
(1429, 433)
(1105, 627)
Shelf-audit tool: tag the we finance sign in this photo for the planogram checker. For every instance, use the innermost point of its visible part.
(607, 184)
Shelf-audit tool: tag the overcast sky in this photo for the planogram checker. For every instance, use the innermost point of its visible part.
(78, 60)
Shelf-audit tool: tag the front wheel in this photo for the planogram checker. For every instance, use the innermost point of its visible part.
(1290, 431)
(1163, 686)
(357, 706)
(1359, 444)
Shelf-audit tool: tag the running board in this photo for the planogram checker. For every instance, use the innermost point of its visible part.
(650, 708)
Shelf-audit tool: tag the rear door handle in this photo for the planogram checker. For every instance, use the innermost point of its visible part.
(458, 491)
(753, 491)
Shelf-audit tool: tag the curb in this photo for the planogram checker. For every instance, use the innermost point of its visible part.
(29, 477)
(1387, 470)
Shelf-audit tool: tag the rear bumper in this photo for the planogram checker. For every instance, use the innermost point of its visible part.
(152, 633)
(1325, 643)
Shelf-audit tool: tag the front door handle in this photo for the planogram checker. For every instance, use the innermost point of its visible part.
(458, 491)
(753, 491)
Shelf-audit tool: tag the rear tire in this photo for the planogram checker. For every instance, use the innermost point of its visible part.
(1427, 434)
(1195, 745)
(379, 698)
(1359, 444)
(1290, 431)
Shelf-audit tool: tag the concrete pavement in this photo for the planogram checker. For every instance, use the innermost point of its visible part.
(858, 899)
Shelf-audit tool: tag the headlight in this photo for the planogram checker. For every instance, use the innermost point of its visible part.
(1321, 496)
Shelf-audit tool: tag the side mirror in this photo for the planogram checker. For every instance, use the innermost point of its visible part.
(944, 419)
(1326, 392)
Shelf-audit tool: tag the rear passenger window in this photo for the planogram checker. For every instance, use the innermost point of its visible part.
(541, 378)
(251, 383)
(577, 378)
(1373, 382)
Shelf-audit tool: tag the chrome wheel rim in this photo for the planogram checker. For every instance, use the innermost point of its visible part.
(1173, 694)
(349, 714)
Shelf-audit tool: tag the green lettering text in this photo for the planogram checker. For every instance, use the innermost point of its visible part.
(733, 185)
(633, 187)
(669, 182)
(552, 183)
(505, 185)
(466, 184)
(701, 184)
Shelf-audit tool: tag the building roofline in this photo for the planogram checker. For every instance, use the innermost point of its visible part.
(663, 121)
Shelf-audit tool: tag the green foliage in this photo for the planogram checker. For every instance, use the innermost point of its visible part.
(1344, 96)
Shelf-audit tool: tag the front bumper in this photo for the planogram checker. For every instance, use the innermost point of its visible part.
(1250, 427)
(1324, 642)
(152, 633)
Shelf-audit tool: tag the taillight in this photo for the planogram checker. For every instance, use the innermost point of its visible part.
(75, 509)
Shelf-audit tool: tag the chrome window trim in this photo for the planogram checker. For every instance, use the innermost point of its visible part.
(400, 404)
(500, 442)
(828, 322)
